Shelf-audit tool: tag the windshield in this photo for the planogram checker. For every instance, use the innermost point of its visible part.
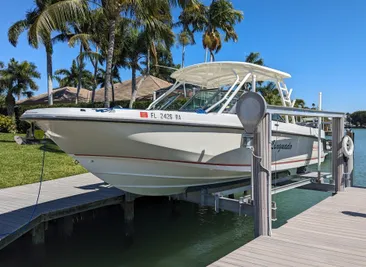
(203, 99)
(176, 99)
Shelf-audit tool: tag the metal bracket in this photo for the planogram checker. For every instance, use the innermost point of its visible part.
(217, 202)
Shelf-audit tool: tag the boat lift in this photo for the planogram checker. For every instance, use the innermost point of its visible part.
(258, 203)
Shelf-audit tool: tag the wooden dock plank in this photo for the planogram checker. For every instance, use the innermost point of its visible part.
(58, 198)
(331, 233)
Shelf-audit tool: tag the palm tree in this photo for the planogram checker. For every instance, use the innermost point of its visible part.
(137, 48)
(39, 22)
(255, 58)
(77, 32)
(191, 20)
(165, 64)
(93, 35)
(220, 15)
(141, 42)
(77, 74)
(184, 39)
(299, 103)
(115, 78)
(270, 93)
(17, 78)
(144, 12)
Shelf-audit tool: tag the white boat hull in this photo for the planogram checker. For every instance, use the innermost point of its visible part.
(153, 157)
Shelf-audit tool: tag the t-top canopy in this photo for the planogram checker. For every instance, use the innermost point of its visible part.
(215, 74)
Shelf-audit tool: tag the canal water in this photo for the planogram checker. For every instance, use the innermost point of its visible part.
(165, 234)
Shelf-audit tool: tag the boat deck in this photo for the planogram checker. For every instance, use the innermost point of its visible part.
(58, 198)
(331, 233)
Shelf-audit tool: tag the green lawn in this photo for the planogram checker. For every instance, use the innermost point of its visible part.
(21, 164)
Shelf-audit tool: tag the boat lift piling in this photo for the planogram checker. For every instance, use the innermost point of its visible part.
(256, 119)
(258, 202)
(262, 202)
(338, 160)
(262, 178)
(129, 213)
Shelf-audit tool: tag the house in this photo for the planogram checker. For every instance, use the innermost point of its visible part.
(123, 90)
(60, 95)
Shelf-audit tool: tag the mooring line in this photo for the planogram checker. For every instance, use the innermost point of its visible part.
(39, 191)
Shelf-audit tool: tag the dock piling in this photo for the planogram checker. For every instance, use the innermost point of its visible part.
(262, 178)
(338, 161)
(129, 213)
(67, 226)
(38, 234)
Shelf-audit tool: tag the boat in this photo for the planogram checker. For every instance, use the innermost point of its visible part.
(163, 150)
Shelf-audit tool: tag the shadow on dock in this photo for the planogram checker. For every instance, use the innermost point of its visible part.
(354, 214)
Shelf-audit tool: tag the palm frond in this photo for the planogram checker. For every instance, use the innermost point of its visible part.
(61, 38)
(15, 30)
(54, 16)
(81, 38)
(62, 72)
(28, 94)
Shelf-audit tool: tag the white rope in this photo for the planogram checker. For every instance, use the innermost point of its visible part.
(260, 158)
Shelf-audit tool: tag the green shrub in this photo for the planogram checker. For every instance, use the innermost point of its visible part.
(7, 124)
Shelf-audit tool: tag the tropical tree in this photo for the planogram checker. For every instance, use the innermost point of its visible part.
(191, 20)
(77, 33)
(270, 93)
(165, 64)
(115, 78)
(219, 16)
(142, 41)
(2, 101)
(255, 58)
(94, 36)
(15, 79)
(359, 117)
(143, 12)
(76, 75)
(299, 103)
(136, 51)
(39, 22)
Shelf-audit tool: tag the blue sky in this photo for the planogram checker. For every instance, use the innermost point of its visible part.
(321, 43)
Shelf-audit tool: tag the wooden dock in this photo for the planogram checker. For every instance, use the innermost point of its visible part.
(331, 233)
(58, 198)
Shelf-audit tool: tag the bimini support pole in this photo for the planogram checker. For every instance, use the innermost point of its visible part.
(319, 137)
(254, 83)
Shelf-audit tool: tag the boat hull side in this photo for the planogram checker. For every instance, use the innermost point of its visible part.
(152, 159)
